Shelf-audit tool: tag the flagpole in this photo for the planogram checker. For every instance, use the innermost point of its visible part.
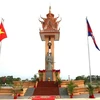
(0, 42)
(0, 47)
(89, 59)
(2, 20)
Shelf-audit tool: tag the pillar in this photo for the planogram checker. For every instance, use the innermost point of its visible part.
(52, 50)
(46, 47)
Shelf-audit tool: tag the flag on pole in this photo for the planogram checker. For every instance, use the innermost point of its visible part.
(90, 33)
(2, 32)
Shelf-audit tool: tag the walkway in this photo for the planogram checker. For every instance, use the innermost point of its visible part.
(27, 97)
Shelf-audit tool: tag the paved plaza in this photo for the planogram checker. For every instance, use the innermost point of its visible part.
(28, 97)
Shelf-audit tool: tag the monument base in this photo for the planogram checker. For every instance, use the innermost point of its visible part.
(48, 75)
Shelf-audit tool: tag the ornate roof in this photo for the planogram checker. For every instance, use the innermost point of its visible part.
(50, 26)
(50, 23)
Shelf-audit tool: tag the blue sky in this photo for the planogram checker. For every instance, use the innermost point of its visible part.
(22, 53)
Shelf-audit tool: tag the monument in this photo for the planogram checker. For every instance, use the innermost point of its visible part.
(49, 33)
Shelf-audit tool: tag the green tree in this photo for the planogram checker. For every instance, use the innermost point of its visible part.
(34, 79)
(9, 79)
(17, 79)
(70, 87)
(86, 79)
(90, 89)
(80, 77)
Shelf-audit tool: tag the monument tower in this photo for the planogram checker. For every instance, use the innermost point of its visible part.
(49, 34)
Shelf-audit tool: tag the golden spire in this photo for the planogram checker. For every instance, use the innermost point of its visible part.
(49, 9)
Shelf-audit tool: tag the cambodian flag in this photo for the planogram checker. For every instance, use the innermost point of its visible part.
(90, 33)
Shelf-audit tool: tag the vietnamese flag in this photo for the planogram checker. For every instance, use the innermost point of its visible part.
(2, 32)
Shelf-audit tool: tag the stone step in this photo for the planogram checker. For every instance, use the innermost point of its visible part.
(47, 84)
(29, 92)
(46, 91)
(63, 91)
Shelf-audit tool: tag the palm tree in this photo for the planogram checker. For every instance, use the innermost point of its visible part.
(70, 88)
(15, 91)
(91, 90)
(59, 81)
(20, 87)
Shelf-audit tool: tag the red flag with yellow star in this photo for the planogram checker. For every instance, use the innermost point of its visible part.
(2, 32)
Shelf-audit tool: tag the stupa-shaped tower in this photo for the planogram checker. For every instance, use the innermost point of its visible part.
(49, 34)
